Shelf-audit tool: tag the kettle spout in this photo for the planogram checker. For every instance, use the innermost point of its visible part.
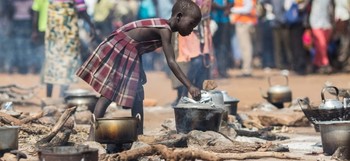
(304, 102)
(263, 94)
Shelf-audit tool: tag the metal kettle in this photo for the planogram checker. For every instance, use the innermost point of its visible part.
(330, 103)
(278, 93)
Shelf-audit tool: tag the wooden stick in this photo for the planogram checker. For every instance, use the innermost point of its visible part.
(9, 119)
(61, 121)
(256, 155)
(31, 118)
(173, 154)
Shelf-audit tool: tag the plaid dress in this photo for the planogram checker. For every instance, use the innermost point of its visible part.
(114, 68)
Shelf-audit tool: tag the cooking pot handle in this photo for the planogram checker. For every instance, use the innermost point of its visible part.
(93, 121)
(269, 79)
(324, 89)
(138, 116)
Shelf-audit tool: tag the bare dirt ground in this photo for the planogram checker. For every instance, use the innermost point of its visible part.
(247, 90)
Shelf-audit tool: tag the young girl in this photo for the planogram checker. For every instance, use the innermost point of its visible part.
(115, 68)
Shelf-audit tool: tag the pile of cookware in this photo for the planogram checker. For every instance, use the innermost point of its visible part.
(206, 114)
(332, 118)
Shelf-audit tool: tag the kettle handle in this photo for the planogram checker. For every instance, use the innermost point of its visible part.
(324, 89)
(269, 79)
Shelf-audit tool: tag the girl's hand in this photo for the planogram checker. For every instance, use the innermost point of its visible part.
(195, 92)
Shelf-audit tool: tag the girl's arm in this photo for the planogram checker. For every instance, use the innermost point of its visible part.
(170, 58)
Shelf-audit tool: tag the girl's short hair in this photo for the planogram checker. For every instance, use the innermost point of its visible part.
(186, 7)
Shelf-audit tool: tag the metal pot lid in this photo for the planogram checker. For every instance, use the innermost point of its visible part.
(228, 98)
(279, 89)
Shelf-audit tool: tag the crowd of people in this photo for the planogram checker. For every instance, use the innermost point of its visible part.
(304, 36)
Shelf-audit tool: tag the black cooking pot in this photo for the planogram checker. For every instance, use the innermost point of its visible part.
(190, 117)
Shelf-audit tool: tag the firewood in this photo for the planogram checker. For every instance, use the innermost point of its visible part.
(185, 154)
(8, 119)
(58, 126)
(235, 148)
(61, 138)
(167, 154)
(31, 118)
(255, 155)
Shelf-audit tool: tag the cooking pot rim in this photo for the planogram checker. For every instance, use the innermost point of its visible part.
(331, 122)
(117, 118)
(9, 127)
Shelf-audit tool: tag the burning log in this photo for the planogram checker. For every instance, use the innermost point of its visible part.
(62, 138)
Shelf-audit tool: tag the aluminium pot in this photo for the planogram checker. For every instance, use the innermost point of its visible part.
(68, 153)
(117, 130)
(8, 138)
(334, 134)
(81, 97)
(190, 117)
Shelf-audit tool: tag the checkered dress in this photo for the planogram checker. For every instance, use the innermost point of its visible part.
(113, 69)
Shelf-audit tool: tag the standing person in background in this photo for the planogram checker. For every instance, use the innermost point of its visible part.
(296, 31)
(62, 44)
(282, 51)
(244, 17)
(103, 16)
(321, 28)
(221, 39)
(195, 52)
(21, 32)
(6, 14)
(342, 17)
(39, 8)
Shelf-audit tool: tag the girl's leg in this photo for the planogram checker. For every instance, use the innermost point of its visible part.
(137, 109)
(100, 109)
(49, 88)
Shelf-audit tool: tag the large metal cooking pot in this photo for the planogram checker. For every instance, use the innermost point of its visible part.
(202, 117)
(116, 130)
(68, 153)
(80, 97)
(334, 134)
(330, 103)
(278, 94)
(8, 138)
